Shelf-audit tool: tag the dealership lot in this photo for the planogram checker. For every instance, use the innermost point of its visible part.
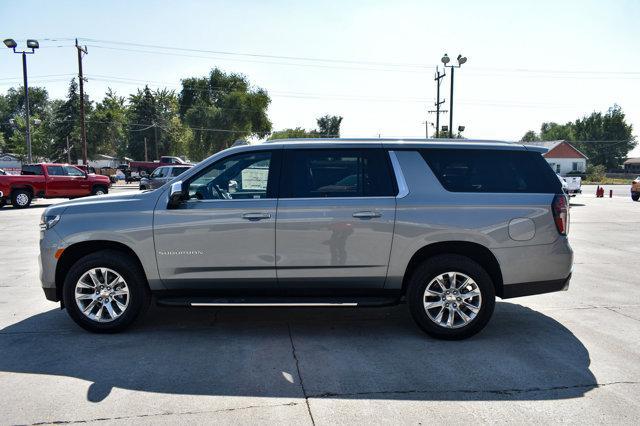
(563, 357)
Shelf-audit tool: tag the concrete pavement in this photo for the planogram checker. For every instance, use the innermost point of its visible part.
(564, 357)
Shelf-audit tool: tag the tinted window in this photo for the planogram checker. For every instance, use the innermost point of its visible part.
(177, 171)
(72, 171)
(475, 170)
(337, 173)
(159, 172)
(240, 176)
(56, 171)
(31, 170)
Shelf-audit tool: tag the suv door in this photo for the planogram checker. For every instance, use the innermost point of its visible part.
(57, 182)
(221, 238)
(336, 214)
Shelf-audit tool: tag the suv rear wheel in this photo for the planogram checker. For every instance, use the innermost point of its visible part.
(105, 291)
(451, 297)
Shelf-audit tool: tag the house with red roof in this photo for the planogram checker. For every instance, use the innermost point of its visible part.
(563, 157)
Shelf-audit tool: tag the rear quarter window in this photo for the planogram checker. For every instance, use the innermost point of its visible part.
(32, 170)
(501, 171)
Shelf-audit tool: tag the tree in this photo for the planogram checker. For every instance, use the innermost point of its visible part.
(329, 126)
(66, 124)
(555, 132)
(142, 117)
(297, 133)
(107, 127)
(221, 109)
(610, 128)
(530, 136)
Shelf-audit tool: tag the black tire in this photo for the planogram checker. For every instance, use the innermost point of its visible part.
(99, 190)
(635, 196)
(441, 264)
(18, 199)
(139, 293)
(143, 188)
(3, 202)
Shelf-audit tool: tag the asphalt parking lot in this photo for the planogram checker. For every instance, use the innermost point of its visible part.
(569, 357)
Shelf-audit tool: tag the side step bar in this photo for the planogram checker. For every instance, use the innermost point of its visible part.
(322, 302)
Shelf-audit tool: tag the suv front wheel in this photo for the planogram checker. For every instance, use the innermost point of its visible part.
(451, 297)
(105, 291)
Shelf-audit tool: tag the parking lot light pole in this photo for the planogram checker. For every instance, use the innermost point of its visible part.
(33, 45)
(445, 60)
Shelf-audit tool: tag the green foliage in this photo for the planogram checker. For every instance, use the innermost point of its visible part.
(225, 102)
(596, 173)
(66, 124)
(329, 126)
(297, 133)
(612, 129)
(605, 139)
(107, 130)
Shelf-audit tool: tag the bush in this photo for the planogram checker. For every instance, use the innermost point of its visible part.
(596, 173)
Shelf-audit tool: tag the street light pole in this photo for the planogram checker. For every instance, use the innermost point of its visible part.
(33, 45)
(445, 60)
(26, 105)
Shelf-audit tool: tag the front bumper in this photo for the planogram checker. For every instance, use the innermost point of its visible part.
(50, 242)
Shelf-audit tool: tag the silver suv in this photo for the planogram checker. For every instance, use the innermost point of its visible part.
(444, 226)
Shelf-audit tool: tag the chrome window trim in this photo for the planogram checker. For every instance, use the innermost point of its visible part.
(403, 189)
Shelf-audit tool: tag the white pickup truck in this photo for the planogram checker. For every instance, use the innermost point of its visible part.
(571, 185)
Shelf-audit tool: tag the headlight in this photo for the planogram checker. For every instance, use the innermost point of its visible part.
(48, 221)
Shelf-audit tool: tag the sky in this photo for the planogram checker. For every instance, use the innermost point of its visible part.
(371, 62)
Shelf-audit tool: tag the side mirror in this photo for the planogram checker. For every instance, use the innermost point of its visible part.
(175, 195)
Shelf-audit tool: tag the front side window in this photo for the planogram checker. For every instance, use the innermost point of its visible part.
(242, 176)
(320, 173)
(56, 171)
(72, 171)
(159, 172)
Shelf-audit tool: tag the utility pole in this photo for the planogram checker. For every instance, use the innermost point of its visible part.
(155, 134)
(438, 101)
(68, 151)
(146, 157)
(83, 132)
(445, 60)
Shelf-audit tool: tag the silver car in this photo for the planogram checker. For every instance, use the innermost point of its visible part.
(445, 226)
(162, 175)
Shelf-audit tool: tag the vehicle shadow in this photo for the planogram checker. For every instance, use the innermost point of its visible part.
(340, 353)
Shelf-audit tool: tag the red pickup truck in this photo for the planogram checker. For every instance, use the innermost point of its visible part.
(49, 181)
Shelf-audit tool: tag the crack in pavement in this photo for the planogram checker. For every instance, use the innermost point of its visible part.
(304, 391)
(473, 391)
(167, 413)
(624, 315)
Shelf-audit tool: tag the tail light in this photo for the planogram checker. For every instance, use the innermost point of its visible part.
(560, 209)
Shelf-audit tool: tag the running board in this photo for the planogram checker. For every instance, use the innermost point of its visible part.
(321, 302)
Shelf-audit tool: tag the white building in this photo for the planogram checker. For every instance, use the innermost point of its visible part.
(563, 157)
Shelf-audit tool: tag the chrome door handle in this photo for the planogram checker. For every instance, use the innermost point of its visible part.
(366, 215)
(256, 216)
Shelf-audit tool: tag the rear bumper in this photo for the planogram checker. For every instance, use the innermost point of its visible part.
(538, 287)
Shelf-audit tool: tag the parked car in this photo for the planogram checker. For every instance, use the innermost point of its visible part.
(162, 175)
(635, 189)
(50, 181)
(445, 226)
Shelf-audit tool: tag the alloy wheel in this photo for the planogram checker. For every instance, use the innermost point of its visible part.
(452, 300)
(102, 295)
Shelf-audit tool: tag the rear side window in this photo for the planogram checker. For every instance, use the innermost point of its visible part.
(480, 170)
(31, 170)
(316, 173)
